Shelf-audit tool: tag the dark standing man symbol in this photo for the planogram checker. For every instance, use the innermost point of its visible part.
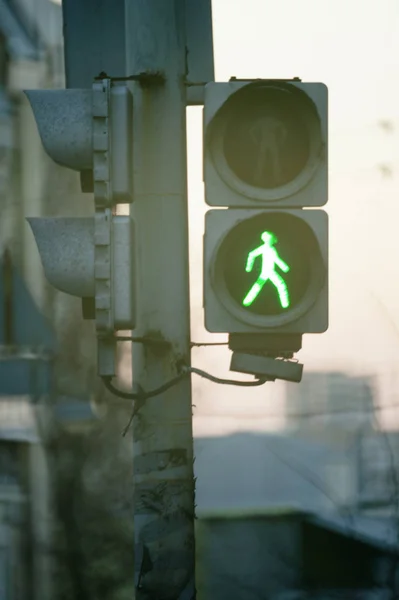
(269, 135)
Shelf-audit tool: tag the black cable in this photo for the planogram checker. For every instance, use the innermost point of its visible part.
(199, 344)
(146, 77)
(142, 395)
(141, 340)
(206, 375)
(163, 388)
(146, 340)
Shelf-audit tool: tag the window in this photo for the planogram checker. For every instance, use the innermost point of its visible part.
(3, 61)
(9, 463)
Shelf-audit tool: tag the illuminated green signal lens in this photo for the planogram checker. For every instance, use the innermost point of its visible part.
(270, 262)
(264, 263)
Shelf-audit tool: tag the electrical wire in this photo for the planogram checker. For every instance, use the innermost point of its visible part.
(145, 340)
(172, 382)
(142, 395)
(205, 375)
(201, 344)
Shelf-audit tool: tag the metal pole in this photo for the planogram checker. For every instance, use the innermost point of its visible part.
(162, 428)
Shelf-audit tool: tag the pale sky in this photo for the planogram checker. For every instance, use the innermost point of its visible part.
(353, 47)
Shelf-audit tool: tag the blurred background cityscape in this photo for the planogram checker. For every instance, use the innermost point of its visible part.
(297, 485)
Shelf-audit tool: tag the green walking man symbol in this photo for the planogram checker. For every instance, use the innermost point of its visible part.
(270, 260)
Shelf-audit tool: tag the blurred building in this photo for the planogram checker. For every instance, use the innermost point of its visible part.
(24, 490)
(278, 512)
(31, 56)
(378, 479)
(291, 555)
(338, 410)
(283, 517)
(330, 402)
(254, 471)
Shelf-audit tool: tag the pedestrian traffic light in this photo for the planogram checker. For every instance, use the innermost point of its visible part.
(265, 159)
(267, 271)
(90, 130)
(265, 144)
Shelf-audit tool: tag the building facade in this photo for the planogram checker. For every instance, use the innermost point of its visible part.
(31, 56)
(328, 401)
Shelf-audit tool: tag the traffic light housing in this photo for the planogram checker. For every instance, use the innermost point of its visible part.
(265, 144)
(266, 256)
(67, 250)
(90, 131)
